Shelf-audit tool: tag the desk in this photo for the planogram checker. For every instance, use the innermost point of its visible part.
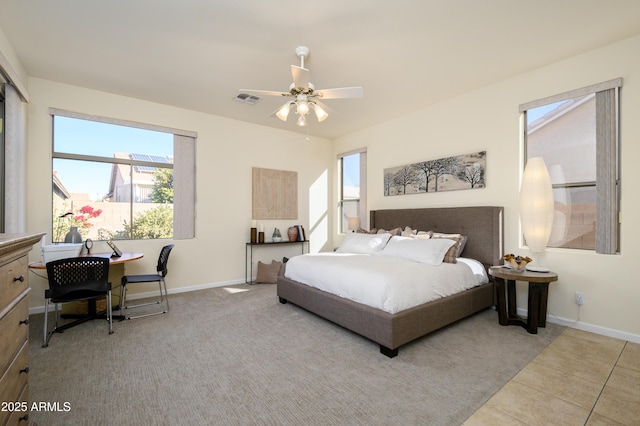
(115, 276)
(126, 257)
(537, 301)
(248, 255)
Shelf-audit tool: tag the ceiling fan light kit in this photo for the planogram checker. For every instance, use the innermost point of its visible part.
(302, 106)
(283, 112)
(321, 114)
(306, 97)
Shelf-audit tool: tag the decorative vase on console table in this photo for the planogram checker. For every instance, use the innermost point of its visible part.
(292, 233)
(254, 232)
(73, 236)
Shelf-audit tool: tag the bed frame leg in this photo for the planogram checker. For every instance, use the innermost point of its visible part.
(388, 352)
(282, 300)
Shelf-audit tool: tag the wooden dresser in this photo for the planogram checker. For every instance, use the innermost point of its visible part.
(14, 327)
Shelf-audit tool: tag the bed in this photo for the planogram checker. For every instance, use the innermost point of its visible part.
(482, 225)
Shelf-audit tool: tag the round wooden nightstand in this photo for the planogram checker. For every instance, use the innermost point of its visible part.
(537, 301)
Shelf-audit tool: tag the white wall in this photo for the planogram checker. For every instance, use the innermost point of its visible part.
(488, 119)
(12, 61)
(226, 151)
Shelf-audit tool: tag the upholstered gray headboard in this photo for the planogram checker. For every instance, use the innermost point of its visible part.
(483, 225)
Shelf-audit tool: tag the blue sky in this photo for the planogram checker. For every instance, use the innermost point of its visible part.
(351, 170)
(535, 113)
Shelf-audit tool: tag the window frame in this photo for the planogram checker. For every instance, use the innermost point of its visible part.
(362, 201)
(608, 181)
(3, 122)
(184, 202)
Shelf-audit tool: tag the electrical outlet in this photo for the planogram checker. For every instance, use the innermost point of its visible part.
(579, 299)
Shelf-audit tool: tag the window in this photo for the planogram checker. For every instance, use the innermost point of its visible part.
(576, 133)
(1, 159)
(114, 179)
(353, 188)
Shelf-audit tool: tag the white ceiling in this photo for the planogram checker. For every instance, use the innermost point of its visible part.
(407, 54)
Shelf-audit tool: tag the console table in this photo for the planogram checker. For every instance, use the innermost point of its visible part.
(248, 255)
(537, 301)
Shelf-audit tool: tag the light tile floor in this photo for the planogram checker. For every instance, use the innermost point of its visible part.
(581, 378)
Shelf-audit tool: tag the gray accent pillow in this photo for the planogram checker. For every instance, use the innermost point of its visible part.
(268, 273)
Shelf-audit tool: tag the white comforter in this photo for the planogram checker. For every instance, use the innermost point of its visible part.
(385, 283)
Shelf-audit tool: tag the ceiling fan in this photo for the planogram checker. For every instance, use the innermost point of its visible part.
(304, 94)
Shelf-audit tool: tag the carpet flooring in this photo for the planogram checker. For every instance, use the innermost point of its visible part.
(236, 356)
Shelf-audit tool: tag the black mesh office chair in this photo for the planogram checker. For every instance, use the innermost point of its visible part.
(159, 278)
(76, 279)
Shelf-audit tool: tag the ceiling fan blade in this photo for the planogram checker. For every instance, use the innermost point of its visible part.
(324, 106)
(300, 76)
(266, 92)
(340, 93)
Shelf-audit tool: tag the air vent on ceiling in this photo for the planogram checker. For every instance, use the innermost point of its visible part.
(247, 98)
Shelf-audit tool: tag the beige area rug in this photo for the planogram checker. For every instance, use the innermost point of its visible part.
(235, 355)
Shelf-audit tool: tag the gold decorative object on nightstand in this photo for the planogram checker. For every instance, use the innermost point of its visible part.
(517, 263)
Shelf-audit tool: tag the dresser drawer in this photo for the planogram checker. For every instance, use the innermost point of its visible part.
(13, 280)
(15, 379)
(20, 417)
(14, 331)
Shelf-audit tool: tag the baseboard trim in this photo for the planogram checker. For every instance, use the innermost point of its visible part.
(596, 329)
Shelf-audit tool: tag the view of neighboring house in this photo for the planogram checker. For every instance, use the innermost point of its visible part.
(556, 137)
(137, 181)
(59, 190)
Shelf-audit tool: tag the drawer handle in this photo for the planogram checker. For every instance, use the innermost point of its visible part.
(24, 418)
(20, 278)
(25, 321)
(25, 370)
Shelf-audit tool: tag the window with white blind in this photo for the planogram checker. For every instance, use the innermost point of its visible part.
(114, 179)
(1, 157)
(576, 133)
(352, 205)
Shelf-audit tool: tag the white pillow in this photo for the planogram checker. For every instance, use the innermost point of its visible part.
(429, 251)
(363, 243)
(400, 238)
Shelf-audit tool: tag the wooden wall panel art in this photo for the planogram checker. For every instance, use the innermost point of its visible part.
(274, 194)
